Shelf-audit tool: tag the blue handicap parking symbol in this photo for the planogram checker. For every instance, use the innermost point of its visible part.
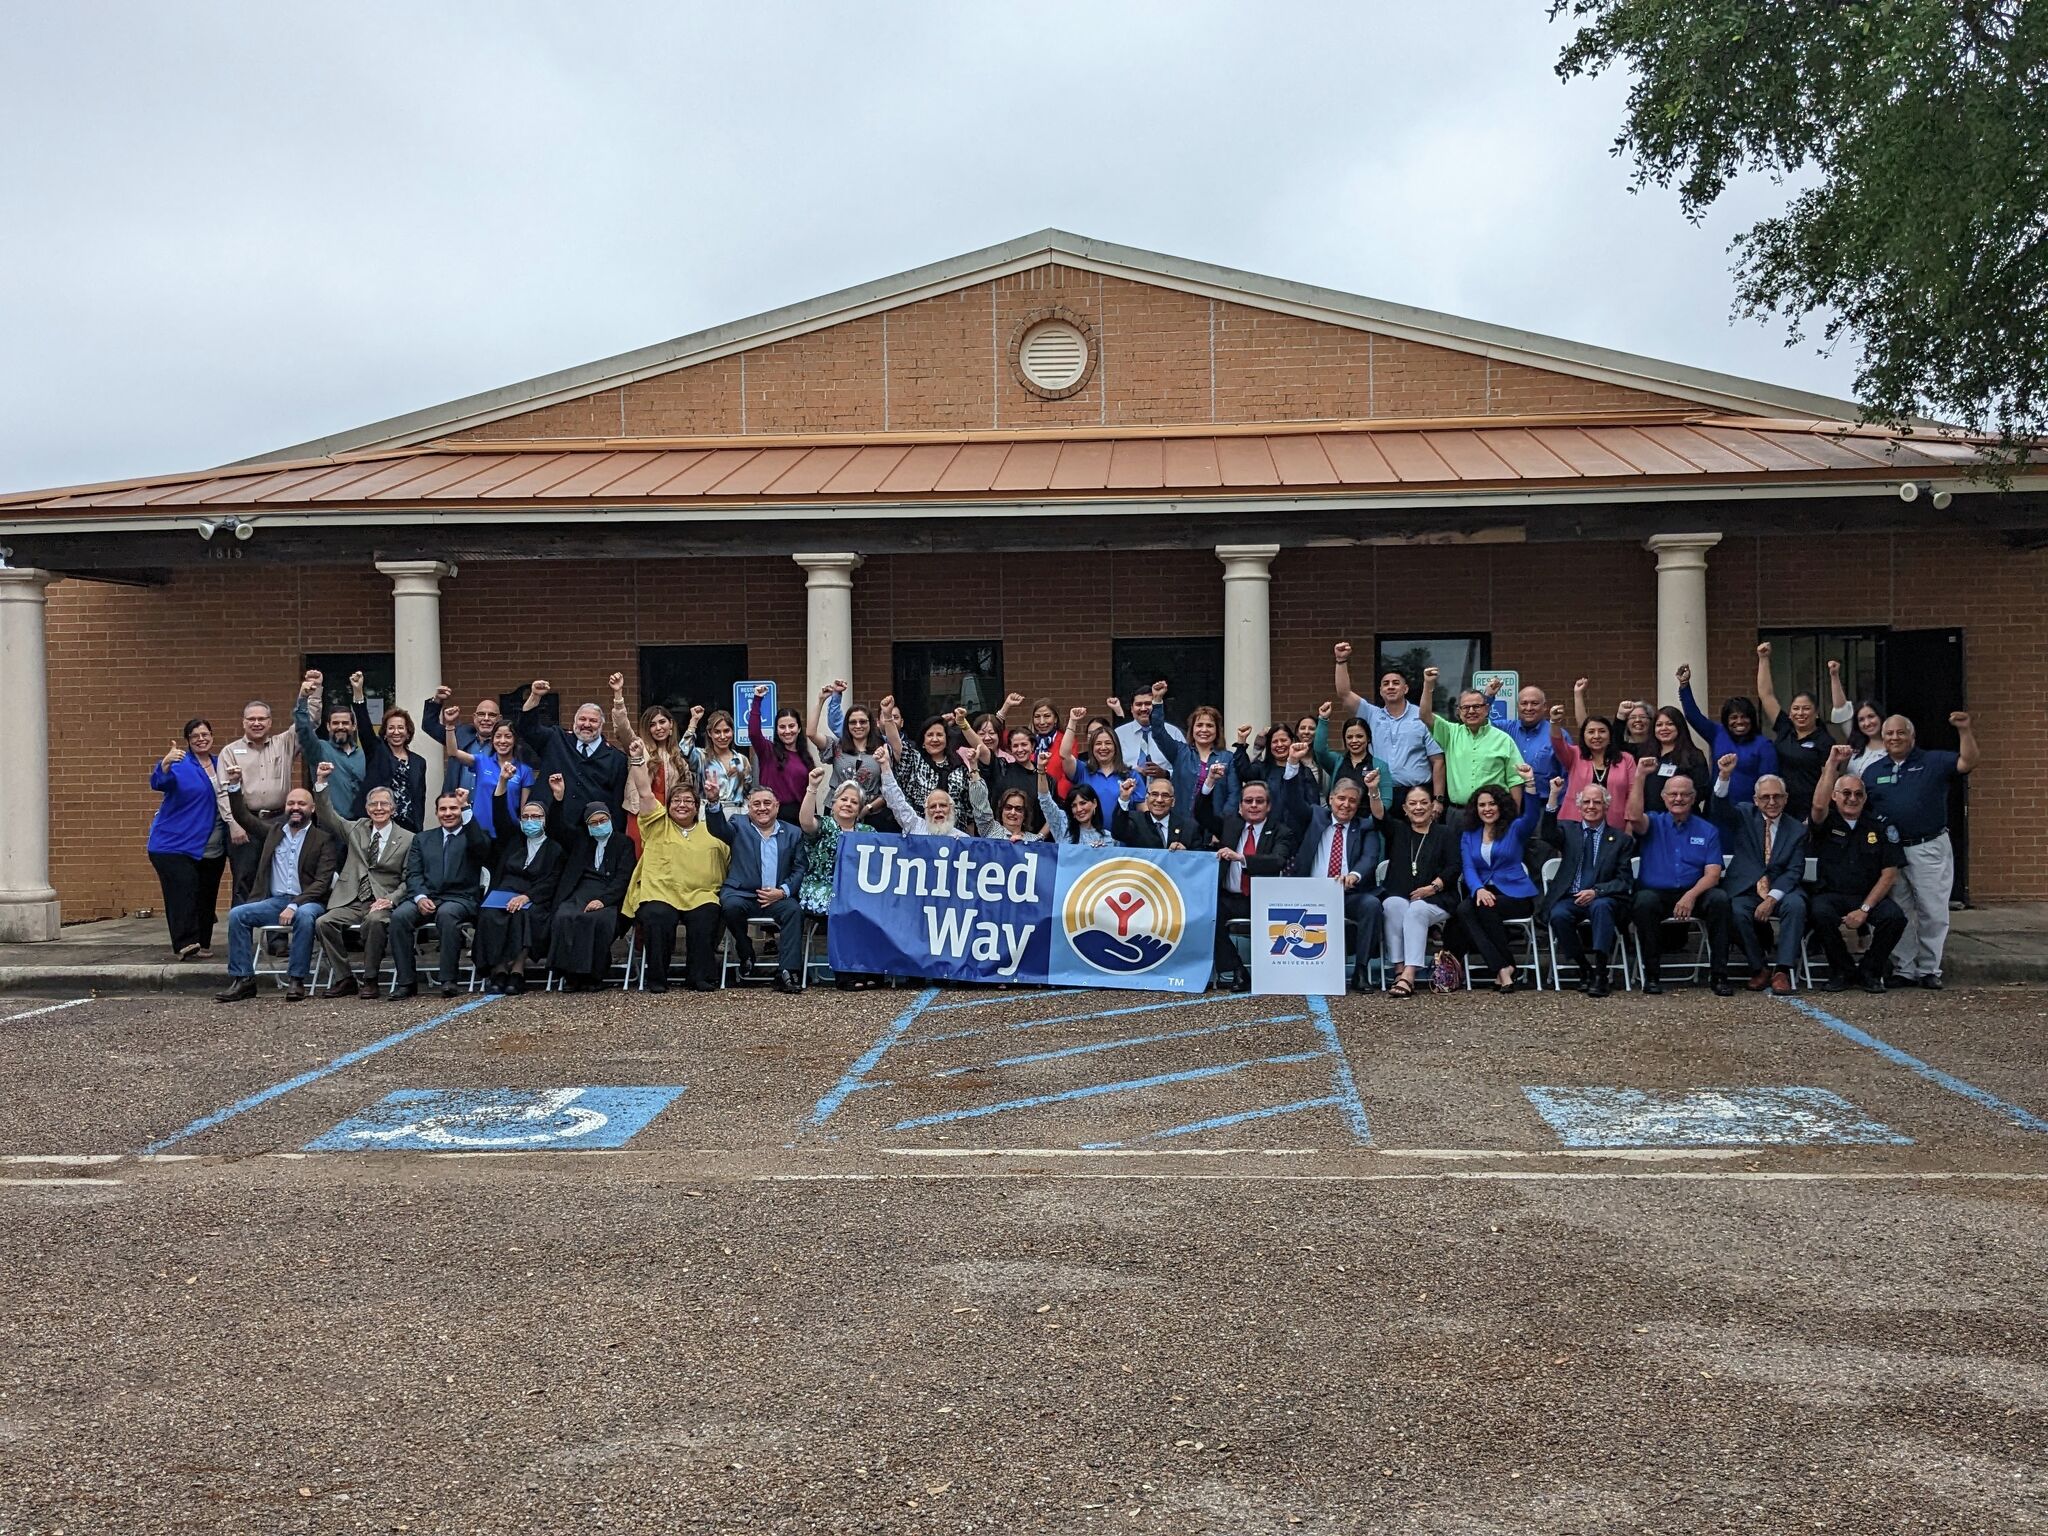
(498, 1119)
(1708, 1117)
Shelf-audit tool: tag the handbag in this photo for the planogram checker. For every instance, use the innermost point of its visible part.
(1448, 974)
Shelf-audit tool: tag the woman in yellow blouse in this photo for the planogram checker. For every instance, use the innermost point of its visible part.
(676, 881)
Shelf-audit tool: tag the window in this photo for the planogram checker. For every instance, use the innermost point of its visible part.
(933, 677)
(380, 672)
(1456, 658)
(679, 676)
(1193, 669)
(1799, 664)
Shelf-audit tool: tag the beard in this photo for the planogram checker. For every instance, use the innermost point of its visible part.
(939, 826)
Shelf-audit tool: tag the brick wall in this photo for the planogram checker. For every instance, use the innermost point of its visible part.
(129, 665)
(1161, 357)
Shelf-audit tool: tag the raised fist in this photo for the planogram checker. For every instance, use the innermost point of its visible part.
(355, 680)
(1646, 765)
(310, 686)
(818, 774)
(233, 774)
(1493, 687)
(1011, 701)
(1298, 753)
(443, 694)
(323, 773)
(1159, 689)
(1838, 756)
(1244, 734)
(1525, 773)
(1557, 714)
(1960, 719)
(837, 685)
(1429, 676)
(967, 756)
(1372, 780)
(1725, 764)
(1342, 651)
(450, 715)
(1764, 650)
(696, 713)
(542, 688)
(557, 785)
(617, 682)
(1581, 684)
(1323, 710)
(760, 690)
(1834, 667)
(1126, 788)
(1684, 675)
(1077, 714)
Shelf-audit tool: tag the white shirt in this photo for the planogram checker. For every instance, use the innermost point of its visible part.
(1321, 867)
(1234, 880)
(1141, 744)
(284, 866)
(768, 853)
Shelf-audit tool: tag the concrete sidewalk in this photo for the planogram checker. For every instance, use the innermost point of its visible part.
(1988, 946)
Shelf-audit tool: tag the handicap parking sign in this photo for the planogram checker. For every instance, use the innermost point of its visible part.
(1708, 1117)
(499, 1120)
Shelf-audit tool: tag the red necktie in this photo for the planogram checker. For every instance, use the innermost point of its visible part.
(1336, 852)
(1251, 842)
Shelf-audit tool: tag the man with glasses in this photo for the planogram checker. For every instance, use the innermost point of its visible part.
(1476, 751)
(1860, 855)
(1766, 861)
(1909, 787)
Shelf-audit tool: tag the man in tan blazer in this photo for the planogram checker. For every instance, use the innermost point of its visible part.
(371, 882)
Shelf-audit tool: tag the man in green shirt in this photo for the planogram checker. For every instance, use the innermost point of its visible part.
(1476, 751)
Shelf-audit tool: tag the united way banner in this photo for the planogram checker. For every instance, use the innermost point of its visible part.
(1297, 937)
(1049, 914)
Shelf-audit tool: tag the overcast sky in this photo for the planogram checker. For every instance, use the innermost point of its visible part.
(230, 227)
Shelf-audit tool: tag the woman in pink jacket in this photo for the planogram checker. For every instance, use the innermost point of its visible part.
(1597, 758)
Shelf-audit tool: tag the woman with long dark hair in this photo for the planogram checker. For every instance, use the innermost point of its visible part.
(1497, 883)
(1594, 759)
(188, 844)
(1677, 753)
(392, 764)
(784, 762)
(932, 762)
(724, 776)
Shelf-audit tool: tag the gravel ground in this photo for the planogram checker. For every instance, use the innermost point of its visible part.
(763, 1316)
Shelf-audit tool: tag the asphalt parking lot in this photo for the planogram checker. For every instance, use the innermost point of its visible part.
(1003, 1261)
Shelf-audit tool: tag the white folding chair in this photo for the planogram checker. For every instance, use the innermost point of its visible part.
(1616, 961)
(1698, 966)
(729, 953)
(281, 971)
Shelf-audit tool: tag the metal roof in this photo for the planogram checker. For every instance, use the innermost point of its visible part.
(1718, 391)
(1647, 453)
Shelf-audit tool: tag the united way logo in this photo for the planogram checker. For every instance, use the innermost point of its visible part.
(1298, 933)
(1124, 916)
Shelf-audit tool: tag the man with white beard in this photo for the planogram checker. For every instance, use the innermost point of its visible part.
(941, 816)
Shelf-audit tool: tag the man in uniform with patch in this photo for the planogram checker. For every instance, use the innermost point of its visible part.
(1860, 855)
(1909, 788)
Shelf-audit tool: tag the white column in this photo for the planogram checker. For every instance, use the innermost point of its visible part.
(1247, 635)
(828, 605)
(1681, 610)
(416, 645)
(28, 905)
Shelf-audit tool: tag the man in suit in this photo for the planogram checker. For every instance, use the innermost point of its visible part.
(761, 882)
(289, 884)
(1155, 824)
(444, 871)
(591, 768)
(1346, 847)
(369, 887)
(1592, 884)
(1766, 862)
(1253, 844)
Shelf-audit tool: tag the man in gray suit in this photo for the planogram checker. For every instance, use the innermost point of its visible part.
(371, 882)
(1766, 860)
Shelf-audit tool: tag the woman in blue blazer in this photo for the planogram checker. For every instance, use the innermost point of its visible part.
(188, 840)
(1498, 889)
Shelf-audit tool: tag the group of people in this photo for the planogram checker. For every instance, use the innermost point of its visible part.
(541, 842)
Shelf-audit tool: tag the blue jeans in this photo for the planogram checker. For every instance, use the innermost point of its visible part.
(245, 919)
(1602, 916)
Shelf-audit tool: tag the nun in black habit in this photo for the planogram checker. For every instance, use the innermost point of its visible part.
(515, 925)
(593, 883)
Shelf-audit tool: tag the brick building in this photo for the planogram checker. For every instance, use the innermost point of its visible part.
(1056, 466)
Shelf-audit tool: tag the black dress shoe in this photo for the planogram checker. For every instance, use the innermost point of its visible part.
(1722, 987)
(348, 986)
(1598, 986)
(784, 982)
(1931, 983)
(1836, 984)
(239, 991)
(1652, 987)
(406, 991)
(1873, 984)
(295, 992)
(449, 989)
(657, 987)
(515, 984)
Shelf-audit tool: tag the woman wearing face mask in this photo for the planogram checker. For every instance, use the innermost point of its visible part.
(1801, 740)
(782, 764)
(392, 764)
(676, 881)
(504, 768)
(512, 925)
(188, 840)
(595, 875)
(1594, 759)
(724, 776)
(1737, 733)
(1421, 886)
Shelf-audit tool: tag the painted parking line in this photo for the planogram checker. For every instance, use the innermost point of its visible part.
(1205, 1001)
(1036, 995)
(46, 1008)
(855, 1076)
(340, 1063)
(2026, 1120)
(1096, 1046)
(1099, 1090)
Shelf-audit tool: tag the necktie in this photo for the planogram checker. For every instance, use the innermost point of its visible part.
(1165, 837)
(1336, 852)
(377, 849)
(1770, 831)
(1589, 866)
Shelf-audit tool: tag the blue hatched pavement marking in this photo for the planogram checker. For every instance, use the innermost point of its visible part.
(1118, 1045)
(1080, 1018)
(1097, 1090)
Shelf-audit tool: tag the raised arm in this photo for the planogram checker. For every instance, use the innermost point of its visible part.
(533, 730)
(1693, 715)
(1426, 705)
(1561, 744)
(1319, 744)
(1766, 687)
(823, 740)
(1840, 710)
(622, 722)
(1055, 818)
(451, 716)
(892, 724)
(1966, 745)
(323, 802)
(977, 803)
(302, 717)
(1070, 741)
(1638, 823)
(1350, 696)
(434, 714)
(814, 789)
(757, 735)
(1579, 702)
(892, 792)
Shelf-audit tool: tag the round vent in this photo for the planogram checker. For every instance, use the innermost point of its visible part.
(1053, 357)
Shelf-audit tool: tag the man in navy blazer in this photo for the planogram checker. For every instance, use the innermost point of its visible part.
(1346, 846)
(1592, 884)
(1766, 862)
(762, 881)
